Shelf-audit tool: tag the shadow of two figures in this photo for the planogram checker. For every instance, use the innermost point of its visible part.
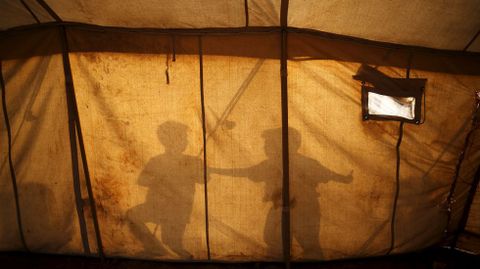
(171, 178)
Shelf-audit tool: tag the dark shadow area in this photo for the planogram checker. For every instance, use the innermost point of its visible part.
(390, 86)
(45, 228)
(303, 44)
(170, 178)
(428, 259)
(305, 175)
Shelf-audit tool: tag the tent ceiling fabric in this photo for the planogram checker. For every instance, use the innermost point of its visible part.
(14, 13)
(435, 24)
(163, 113)
(447, 25)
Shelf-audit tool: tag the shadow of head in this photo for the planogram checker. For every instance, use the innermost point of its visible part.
(273, 141)
(173, 136)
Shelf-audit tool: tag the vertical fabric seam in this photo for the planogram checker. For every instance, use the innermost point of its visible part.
(468, 205)
(246, 14)
(204, 132)
(397, 171)
(450, 199)
(286, 236)
(397, 190)
(73, 140)
(10, 162)
(88, 183)
(76, 132)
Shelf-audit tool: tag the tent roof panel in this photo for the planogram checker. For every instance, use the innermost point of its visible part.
(449, 25)
(264, 12)
(13, 13)
(39, 11)
(153, 13)
(436, 24)
(475, 46)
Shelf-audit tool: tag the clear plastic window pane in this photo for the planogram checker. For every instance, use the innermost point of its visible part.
(403, 107)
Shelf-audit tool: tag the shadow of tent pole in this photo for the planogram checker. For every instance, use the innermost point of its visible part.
(233, 102)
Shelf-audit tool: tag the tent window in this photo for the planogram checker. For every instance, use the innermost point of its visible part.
(379, 104)
(403, 107)
(387, 98)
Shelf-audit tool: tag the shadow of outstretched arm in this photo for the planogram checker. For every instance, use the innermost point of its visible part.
(249, 172)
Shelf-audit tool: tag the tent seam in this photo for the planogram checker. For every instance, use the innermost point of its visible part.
(50, 11)
(204, 131)
(88, 183)
(73, 142)
(10, 162)
(466, 209)
(286, 225)
(474, 184)
(472, 40)
(30, 11)
(246, 13)
(241, 30)
(450, 199)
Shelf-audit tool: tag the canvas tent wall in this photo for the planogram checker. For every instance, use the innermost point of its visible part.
(200, 147)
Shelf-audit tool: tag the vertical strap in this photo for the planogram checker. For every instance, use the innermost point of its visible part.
(286, 238)
(73, 140)
(397, 173)
(167, 67)
(204, 130)
(466, 209)
(86, 172)
(458, 167)
(476, 179)
(284, 14)
(246, 13)
(174, 50)
(76, 131)
(167, 61)
(397, 190)
(10, 162)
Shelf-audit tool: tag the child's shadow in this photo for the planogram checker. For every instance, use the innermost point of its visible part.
(170, 179)
(305, 174)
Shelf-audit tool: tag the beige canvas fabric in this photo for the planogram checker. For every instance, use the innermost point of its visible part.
(435, 24)
(475, 45)
(35, 95)
(464, 183)
(14, 13)
(10, 237)
(170, 14)
(429, 155)
(339, 176)
(473, 224)
(131, 125)
(161, 14)
(140, 108)
(263, 13)
(242, 101)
